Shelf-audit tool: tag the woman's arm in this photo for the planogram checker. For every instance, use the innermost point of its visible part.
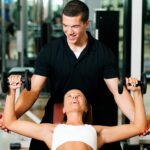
(116, 133)
(37, 131)
(26, 98)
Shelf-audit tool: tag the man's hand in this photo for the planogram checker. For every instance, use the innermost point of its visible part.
(2, 126)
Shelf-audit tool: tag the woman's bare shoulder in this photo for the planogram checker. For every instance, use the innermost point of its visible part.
(99, 128)
(50, 126)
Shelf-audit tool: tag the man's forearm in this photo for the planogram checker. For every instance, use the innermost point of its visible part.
(25, 102)
(126, 104)
(124, 100)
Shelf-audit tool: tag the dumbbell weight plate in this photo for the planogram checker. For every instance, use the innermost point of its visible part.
(4, 84)
(120, 86)
(27, 78)
(144, 83)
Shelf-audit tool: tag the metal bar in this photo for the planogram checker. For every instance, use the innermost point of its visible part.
(3, 35)
(136, 46)
(22, 51)
(33, 117)
(136, 38)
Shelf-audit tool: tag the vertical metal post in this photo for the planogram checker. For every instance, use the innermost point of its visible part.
(136, 38)
(22, 33)
(3, 35)
(126, 62)
(50, 12)
(18, 14)
(41, 8)
(136, 45)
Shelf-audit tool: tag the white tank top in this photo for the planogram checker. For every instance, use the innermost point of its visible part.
(67, 133)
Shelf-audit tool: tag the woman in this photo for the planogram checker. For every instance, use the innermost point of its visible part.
(74, 134)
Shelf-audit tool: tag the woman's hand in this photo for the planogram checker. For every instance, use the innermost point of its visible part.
(131, 84)
(14, 82)
(2, 126)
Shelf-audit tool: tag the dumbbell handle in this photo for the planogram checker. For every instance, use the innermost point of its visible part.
(122, 83)
(22, 80)
(139, 83)
(142, 83)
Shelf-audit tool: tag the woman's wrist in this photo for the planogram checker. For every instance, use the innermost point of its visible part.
(137, 93)
(12, 92)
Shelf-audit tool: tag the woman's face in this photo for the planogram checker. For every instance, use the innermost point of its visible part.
(74, 101)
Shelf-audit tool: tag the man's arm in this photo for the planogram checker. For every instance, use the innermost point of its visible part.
(27, 98)
(124, 100)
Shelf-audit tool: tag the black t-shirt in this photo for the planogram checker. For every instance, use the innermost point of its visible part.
(96, 62)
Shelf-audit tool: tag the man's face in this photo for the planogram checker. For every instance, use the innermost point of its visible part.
(74, 29)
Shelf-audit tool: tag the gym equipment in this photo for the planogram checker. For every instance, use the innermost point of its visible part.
(15, 146)
(26, 79)
(142, 83)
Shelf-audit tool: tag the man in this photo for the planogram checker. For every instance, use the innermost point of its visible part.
(77, 61)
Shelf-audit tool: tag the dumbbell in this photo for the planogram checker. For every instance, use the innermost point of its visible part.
(25, 78)
(142, 83)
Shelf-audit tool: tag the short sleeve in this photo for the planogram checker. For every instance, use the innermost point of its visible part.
(42, 64)
(110, 64)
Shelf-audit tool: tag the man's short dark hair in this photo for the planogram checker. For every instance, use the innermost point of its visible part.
(76, 8)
